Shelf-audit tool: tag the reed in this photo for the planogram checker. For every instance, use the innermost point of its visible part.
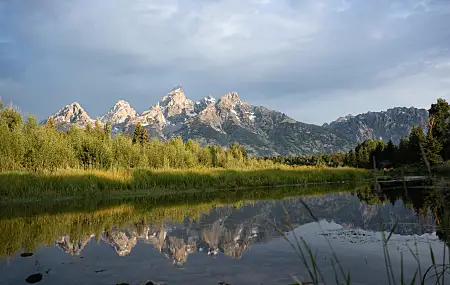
(75, 183)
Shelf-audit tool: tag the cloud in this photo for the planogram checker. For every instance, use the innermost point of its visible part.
(293, 56)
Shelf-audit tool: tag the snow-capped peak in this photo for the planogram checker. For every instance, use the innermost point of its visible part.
(72, 114)
(119, 113)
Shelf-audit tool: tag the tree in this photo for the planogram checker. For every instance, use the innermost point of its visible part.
(31, 123)
(137, 135)
(432, 148)
(439, 115)
(50, 124)
(389, 153)
(107, 129)
(11, 118)
(145, 138)
(416, 145)
(1, 104)
(439, 125)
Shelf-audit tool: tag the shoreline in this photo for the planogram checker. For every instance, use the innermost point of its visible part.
(86, 183)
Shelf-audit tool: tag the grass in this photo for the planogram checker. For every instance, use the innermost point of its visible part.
(70, 183)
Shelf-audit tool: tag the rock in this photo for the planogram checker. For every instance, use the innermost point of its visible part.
(119, 113)
(26, 254)
(392, 124)
(72, 114)
(35, 278)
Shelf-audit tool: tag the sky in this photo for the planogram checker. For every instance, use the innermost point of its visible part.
(313, 60)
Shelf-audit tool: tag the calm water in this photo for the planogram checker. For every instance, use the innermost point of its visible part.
(234, 240)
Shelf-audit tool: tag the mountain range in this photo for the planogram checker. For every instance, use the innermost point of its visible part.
(261, 131)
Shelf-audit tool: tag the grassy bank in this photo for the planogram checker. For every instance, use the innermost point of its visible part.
(70, 183)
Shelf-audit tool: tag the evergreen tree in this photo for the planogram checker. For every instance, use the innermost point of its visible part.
(389, 153)
(432, 148)
(439, 125)
(402, 157)
(137, 135)
(50, 124)
(145, 137)
(107, 129)
(439, 115)
(416, 145)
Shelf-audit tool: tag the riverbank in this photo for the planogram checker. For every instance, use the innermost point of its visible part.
(76, 183)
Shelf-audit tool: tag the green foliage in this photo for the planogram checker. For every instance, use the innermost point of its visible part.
(107, 129)
(439, 115)
(11, 118)
(137, 135)
(416, 145)
(433, 149)
(50, 124)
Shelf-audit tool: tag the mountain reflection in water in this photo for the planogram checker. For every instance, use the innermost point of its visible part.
(178, 228)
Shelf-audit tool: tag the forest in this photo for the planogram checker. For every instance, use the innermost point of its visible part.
(422, 148)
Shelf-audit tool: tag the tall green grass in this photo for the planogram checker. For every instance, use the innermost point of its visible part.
(95, 182)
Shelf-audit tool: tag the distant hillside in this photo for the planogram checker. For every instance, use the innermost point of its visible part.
(392, 124)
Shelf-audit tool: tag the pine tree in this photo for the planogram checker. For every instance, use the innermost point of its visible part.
(432, 149)
(137, 135)
(145, 137)
(389, 153)
(50, 124)
(439, 125)
(416, 145)
(107, 128)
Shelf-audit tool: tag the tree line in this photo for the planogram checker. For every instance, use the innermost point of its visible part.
(421, 147)
(25, 145)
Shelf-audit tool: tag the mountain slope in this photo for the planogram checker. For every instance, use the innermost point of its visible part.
(263, 132)
(119, 113)
(260, 130)
(72, 114)
(392, 124)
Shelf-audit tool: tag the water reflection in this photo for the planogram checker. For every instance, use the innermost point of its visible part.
(229, 225)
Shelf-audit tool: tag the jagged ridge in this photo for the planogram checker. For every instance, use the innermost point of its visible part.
(260, 130)
(392, 124)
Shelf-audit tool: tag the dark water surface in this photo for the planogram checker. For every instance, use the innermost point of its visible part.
(235, 238)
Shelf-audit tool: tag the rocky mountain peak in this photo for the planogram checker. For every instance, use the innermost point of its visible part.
(176, 107)
(392, 124)
(72, 114)
(119, 113)
(230, 100)
(204, 103)
(175, 97)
